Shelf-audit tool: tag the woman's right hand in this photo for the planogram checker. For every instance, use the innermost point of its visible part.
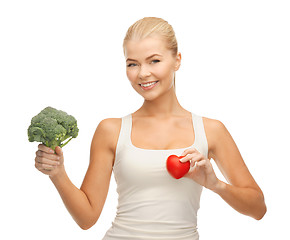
(49, 162)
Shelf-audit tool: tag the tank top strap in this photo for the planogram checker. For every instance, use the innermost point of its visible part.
(200, 141)
(124, 135)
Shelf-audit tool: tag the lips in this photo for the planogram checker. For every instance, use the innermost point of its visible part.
(148, 86)
(148, 82)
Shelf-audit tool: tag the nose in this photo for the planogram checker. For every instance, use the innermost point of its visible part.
(144, 72)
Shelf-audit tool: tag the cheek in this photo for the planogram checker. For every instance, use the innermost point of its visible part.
(131, 74)
(164, 72)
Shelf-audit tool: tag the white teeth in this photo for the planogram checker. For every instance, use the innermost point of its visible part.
(148, 84)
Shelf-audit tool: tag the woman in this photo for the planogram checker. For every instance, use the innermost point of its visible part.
(152, 204)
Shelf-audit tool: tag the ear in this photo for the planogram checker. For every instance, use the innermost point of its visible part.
(178, 61)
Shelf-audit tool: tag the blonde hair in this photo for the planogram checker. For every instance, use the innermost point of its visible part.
(149, 26)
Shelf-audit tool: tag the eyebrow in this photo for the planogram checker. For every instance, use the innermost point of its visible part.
(153, 55)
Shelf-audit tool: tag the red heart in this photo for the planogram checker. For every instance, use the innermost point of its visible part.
(176, 168)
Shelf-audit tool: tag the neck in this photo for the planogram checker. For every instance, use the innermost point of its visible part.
(164, 106)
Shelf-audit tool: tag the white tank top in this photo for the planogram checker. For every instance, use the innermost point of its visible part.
(151, 203)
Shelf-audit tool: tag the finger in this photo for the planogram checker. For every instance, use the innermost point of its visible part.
(189, 150)
(46, 161)
(201, 163)
(44, 148)
(188, 157)
(44, 167)
(196, 159)
(50, 156)
(46, 172)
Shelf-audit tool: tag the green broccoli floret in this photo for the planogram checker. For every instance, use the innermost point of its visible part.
(52, 127)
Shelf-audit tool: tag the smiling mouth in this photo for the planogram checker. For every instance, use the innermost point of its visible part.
(147, 84)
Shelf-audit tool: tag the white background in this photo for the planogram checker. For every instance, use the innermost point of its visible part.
(68, 54)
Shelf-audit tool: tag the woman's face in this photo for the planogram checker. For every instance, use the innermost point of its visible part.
(149, 61)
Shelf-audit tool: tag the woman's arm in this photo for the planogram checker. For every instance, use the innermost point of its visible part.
(85, 204)
(243, 193)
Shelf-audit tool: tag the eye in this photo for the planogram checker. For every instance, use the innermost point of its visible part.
(131, 65)
(155, 61)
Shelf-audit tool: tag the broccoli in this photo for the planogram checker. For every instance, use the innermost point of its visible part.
(52, 127)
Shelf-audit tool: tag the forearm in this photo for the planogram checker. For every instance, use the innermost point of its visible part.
(247, 201)
(75, 200)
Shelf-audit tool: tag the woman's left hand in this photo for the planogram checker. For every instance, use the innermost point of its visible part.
(201, 170)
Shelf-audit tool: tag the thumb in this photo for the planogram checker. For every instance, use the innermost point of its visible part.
(58, 151)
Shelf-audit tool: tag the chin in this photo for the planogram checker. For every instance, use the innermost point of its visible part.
(151, 96)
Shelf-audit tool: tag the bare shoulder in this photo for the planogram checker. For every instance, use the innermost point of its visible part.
(109, 130)
(214, 129)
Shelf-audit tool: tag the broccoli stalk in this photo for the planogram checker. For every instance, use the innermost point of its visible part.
(53, 128)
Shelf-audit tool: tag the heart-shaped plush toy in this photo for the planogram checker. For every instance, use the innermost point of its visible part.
(176, 168)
